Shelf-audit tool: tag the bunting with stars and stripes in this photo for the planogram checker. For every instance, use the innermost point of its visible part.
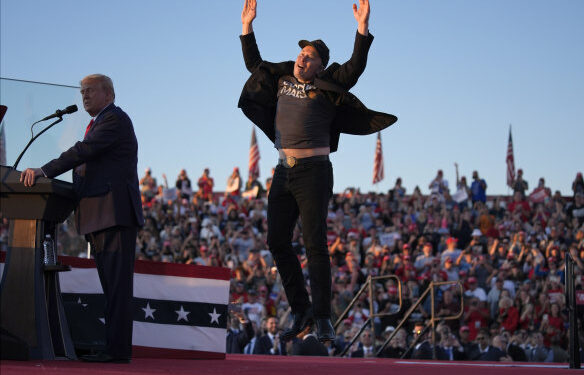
(180, 310)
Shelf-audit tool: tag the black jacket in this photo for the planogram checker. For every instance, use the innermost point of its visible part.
(107, 180)
(236, 341)
(258, 98)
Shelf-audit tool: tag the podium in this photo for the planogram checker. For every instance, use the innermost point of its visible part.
(32, 318)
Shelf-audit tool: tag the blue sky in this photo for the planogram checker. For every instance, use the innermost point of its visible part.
(455, 72)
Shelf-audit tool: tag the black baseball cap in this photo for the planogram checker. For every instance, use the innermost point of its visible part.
(320, 47)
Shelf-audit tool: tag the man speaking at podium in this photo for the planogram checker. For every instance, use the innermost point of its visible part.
(109, 211)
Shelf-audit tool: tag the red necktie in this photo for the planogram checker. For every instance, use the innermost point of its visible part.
(88, 127)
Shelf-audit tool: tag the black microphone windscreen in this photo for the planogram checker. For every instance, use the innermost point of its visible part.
(71, 109)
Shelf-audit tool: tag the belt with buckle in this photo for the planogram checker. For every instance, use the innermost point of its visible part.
(291, 161)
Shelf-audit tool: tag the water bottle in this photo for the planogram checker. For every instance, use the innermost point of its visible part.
(49, 251)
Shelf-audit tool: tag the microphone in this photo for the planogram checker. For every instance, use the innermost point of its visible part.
(60, 112)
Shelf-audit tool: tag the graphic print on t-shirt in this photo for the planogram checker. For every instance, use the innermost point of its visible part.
(297, 90)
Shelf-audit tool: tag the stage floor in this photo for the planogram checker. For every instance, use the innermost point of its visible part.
(256, 364)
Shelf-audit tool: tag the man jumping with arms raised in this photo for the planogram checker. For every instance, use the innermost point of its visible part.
(303, 106)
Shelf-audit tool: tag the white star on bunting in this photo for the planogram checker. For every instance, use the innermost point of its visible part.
(214, 316)
(81, 303)
(182, 314)
(148, 311)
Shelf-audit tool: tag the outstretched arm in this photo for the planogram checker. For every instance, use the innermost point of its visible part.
(248, 14)
(347, 74)
(251, 53)
(362, 16)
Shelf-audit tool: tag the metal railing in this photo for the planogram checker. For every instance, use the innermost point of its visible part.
(573, 342)
(433, 319)
(368, 285)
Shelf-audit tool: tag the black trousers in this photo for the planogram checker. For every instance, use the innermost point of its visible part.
(303, 190)
(114, 251)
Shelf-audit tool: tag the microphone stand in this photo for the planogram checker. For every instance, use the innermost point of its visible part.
(35, 137)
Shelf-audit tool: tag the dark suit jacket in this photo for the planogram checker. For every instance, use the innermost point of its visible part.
(537, 354)
(517, 353)
(442, 354)
(258, 98)
(392, 352)
(105, 176)
(264, 344)
(472, 351)
(492, 354)
(236, 341)
(423, 351)
(360, 353)
(309, 345)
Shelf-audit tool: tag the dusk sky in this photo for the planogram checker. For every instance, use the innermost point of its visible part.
(456, 73)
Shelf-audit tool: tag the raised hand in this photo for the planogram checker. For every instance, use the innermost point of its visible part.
(362, 16)
(248, 14)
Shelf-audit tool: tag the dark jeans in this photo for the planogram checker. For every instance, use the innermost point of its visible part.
(303, 190)
(114, 250)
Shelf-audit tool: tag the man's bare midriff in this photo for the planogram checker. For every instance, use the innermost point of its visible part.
(300, 153)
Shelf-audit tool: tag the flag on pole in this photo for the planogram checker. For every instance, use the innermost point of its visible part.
(2, 144)
(254, 157)
(3, 109)
(378, 161)
(510, 161)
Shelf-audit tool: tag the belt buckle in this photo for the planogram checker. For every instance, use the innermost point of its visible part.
(290, 161)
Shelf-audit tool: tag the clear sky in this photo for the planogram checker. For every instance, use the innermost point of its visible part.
(455, 72)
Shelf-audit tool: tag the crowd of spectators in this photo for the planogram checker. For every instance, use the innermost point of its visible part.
(507, 252)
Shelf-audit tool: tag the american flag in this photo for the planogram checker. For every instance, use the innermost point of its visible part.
(510, 161)
(254, 157)
(378, 161)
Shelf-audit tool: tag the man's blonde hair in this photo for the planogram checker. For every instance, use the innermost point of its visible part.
(105, 81)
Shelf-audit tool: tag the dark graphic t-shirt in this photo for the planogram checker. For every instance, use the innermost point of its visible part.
(303, 115)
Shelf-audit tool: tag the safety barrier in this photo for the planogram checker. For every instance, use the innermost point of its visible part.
(433, 319)
(368, 285)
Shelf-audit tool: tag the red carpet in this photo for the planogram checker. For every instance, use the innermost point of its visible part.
(246, 364)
